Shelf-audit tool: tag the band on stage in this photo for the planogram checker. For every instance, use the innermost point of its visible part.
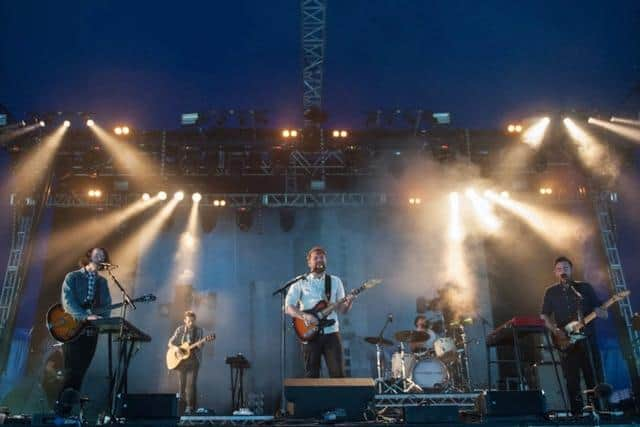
(431, 356)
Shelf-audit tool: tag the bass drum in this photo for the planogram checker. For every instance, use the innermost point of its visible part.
(431, 374)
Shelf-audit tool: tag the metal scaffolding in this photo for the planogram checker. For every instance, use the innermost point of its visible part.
(313, 44)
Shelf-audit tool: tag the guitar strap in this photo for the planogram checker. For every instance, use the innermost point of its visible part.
(327, 286)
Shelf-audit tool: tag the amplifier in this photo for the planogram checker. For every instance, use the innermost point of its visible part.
(530, 403)
(147, 406)
(312, 397)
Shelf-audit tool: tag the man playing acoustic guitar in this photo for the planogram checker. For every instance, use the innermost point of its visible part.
(188, 369)
(568, 301)
(304, 295)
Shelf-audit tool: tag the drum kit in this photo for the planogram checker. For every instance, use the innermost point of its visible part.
(423, 362)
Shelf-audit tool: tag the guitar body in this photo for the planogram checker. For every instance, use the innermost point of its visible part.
(62, 326)
(307, 332)
(176, 355)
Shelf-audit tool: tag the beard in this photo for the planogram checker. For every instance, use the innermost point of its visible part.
(319, 268)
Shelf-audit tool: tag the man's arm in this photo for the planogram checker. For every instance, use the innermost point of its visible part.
(291, 304)
(69, 302)
(105, 297)
(173, 341)
(346, 305)
(546, 313)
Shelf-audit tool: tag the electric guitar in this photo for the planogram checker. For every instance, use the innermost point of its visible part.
(65, 328)
(573, 331)
(308, 331)
(175, 355)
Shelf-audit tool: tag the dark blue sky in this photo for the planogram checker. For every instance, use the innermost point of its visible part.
(485, 62)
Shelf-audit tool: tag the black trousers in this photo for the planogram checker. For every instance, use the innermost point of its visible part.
(329, 346)
(78, 355)
(188, 382)
(582, 357)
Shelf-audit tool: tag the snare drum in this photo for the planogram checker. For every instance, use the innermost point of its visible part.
(445, 349)
(396, 364)
(431, 374)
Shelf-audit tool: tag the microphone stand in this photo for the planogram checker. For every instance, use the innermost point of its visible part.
(283, 338)
(115, 386)
(380, 379)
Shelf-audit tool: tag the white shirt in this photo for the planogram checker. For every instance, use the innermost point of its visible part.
(306, 293)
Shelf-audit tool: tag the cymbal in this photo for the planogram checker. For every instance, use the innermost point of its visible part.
(377, 340)
(412, 336)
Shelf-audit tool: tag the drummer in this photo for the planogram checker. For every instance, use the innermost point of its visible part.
(422, 325)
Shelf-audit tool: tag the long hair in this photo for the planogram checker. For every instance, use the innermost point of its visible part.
(86, 258)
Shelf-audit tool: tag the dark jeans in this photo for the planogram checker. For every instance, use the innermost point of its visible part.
(329, 346)
(582, 357)
(77, 358)
(188, 382)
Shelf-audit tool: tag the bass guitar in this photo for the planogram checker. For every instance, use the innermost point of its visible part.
(573, 331)
(308, 331)
(176, 354)
(65, 328)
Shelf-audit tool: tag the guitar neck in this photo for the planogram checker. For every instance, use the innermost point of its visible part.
(591, 316)
(331, 307)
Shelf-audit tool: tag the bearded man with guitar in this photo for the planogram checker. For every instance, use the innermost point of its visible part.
(82, 290)
(306, 294)
(569, 301)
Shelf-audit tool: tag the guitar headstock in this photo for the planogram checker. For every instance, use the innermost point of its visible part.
(146, 298)
(620, 295)
(371, 283)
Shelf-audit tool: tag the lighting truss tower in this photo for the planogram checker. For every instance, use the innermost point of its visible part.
(313, 44)
(607, 231)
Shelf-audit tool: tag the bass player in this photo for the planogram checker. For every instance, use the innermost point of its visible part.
(305, 294)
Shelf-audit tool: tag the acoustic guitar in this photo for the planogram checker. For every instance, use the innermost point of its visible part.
(176, 354)
(308, 331)
(574, 331)
(64, 328)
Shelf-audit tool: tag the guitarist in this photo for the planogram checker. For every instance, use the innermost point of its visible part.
(188, 368)
(305, 294)
(82, 290)
(568, 301)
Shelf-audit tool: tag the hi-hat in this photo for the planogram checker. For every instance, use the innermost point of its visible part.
(378, 340)
(412, 336)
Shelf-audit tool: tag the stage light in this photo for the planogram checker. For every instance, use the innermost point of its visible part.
(285, 133)
(223, 202)
(504, 194)
(118, 130)
(196, 197)
(216, 203)
(482, 209)
(511, 128)
(626, 131)
(162, 195)
(294, 133)
(42, 123)
(66, 123)
(534, 134)
(343, 134)
(518, 128)
(125, 130)
(415, 200)
(90, 193)
(625, 121)
(146, 197)
(336, 133)
(90, 122)
(546, 190)
(178, 195)
(94, 193)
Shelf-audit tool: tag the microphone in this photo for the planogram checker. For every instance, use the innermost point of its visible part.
(108, 266)
(390, 317)
(571, 284)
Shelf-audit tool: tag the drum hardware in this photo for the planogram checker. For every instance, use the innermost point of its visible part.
(379, 342)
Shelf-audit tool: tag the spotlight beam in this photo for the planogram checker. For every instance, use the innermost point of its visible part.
(125, 156)
(534, 135)
(590, 151)
(624, 131)
(483, 211)
(625, 121)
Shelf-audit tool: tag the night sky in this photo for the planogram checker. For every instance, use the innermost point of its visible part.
(146, 62)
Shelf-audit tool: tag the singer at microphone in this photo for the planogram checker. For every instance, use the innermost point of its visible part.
(570, 301)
